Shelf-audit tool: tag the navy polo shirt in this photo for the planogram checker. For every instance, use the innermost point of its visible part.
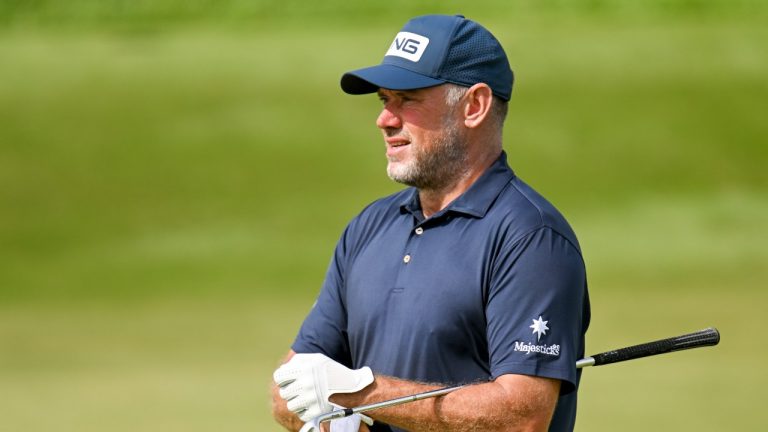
(493, 284)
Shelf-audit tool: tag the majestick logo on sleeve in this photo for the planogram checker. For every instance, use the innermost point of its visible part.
(540, 328)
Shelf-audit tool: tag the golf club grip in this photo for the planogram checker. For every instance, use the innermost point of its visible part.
(706, 337)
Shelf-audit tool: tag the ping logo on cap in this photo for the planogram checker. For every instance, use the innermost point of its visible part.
(409, 46)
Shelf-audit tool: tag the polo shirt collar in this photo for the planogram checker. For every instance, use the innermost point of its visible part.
(477, 199)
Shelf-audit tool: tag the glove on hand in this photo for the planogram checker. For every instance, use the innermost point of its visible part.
(307, 381)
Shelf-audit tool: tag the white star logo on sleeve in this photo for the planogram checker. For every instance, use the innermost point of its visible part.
(539, 327)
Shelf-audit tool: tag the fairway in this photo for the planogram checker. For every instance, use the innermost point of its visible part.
(170, 198)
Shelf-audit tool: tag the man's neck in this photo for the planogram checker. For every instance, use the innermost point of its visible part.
(434, 200)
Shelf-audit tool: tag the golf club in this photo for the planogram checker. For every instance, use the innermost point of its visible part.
(706, 337)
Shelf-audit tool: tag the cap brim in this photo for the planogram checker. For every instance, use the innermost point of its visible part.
(371, 79)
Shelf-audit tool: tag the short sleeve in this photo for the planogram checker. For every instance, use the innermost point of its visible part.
(324, 328)
(537, 308)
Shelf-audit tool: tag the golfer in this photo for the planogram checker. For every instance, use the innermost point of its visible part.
(467, 276)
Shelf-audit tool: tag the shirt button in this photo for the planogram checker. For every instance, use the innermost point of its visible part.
(407, 259)
(419, 231)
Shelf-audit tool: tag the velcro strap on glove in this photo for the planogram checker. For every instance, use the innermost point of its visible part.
(343, 380)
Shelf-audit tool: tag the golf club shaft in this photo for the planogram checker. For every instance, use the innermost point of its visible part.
(706, 337)
(405, 399)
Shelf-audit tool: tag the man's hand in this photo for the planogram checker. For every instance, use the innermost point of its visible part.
(308, 380)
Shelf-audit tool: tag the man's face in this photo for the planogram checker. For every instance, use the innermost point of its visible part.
(423, 135)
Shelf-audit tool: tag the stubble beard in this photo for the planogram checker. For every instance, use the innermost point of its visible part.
(434, 167)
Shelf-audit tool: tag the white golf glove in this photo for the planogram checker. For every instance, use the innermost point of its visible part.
(308, 380)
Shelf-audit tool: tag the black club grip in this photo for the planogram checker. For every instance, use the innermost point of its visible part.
(706, 337)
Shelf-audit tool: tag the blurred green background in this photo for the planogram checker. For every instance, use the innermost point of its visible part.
(174, 176)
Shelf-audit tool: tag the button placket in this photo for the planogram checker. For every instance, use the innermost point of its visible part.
(418, 231)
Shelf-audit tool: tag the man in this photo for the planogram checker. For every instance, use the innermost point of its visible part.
(467, 277)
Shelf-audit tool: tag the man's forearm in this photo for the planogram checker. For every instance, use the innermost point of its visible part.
(518, 403)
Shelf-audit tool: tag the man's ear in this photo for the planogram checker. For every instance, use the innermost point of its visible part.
(478, 101)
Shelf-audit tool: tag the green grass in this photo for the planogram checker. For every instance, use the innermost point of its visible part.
(169, 199)
(146, 15)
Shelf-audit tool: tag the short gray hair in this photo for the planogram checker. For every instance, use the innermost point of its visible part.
(454, 93)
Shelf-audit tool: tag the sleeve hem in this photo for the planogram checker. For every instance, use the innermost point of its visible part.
(569, 378)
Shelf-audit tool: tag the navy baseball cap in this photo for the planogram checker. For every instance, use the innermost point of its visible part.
(435, 49)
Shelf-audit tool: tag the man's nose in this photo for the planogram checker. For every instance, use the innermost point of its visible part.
(388, 119)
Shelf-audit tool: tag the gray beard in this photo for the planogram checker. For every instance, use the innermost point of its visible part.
(437, 168)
